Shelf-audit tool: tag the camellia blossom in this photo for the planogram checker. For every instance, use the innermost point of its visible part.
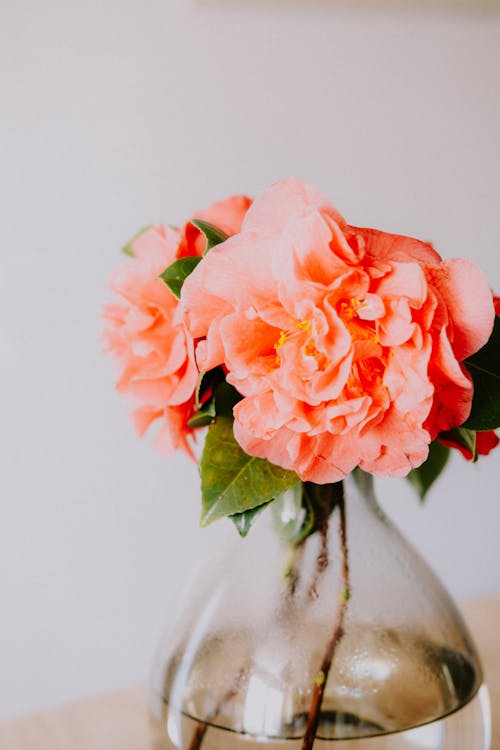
(346, 343)
(145, 334)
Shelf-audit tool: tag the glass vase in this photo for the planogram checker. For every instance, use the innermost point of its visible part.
(347, 641)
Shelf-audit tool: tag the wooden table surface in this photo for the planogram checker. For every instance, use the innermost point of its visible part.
(119, 721)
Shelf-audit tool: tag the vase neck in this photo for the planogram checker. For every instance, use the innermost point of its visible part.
(307, 508)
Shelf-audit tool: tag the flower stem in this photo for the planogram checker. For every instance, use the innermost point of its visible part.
(292, 570)
(322, 558)
(336, 634)
(202, 726)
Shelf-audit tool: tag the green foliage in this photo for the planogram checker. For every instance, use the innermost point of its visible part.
(226, 398)
(304, 510)
(244, 521)
(212, 396)
(176, 274)
(204, 416)
(207, 383)
(232, 481)
(484, 368)
(464, 437)
(293, 517)
(127, 249)
(425, 475)
(213, 235)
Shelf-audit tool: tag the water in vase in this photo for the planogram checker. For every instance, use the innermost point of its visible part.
(431, 704)
(462, 730)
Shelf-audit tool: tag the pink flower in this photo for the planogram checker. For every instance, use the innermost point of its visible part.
(146, 335)
(346, 343)
(226, 215)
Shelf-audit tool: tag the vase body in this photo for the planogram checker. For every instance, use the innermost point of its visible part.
(241, 664)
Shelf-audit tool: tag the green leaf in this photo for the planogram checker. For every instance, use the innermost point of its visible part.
(468, 438)
(127, 249)
(231, 480)
(244, 521)
(204, 416)
(304, 509)
(223, 398)
(423, 477)
(226, 398)
(293, 515)
(207, 381)
(213, 235)
(484, 368)
(176, 274)
(464, 437)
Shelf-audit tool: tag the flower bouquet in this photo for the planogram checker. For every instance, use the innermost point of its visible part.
(309, 354)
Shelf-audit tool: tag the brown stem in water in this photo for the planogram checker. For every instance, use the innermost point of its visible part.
(292, 574)
(322, 559)
(202, 726)
(336, 635)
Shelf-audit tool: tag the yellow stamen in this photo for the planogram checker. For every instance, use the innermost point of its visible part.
(279, 343)
(281, 340)
(350, 309)
(347, 310)
(304, 325)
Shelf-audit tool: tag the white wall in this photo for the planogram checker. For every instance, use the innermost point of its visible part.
(119, 112)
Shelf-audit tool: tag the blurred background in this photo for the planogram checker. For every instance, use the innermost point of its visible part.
(117, 113)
